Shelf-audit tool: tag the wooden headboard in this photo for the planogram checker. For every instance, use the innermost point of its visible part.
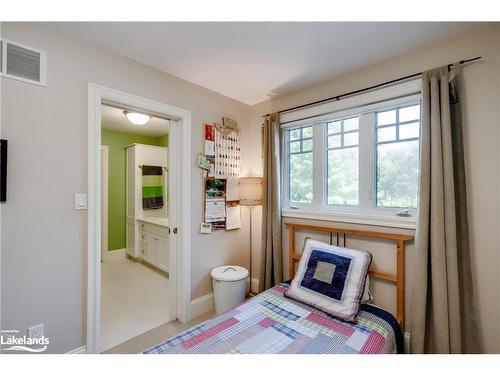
(399, 239)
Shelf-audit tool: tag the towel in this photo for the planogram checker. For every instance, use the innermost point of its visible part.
(152, 187)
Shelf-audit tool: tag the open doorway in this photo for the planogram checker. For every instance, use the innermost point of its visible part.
(135, 253)
(174, 215)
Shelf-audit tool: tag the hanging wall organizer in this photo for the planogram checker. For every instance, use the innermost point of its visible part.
(222, 162)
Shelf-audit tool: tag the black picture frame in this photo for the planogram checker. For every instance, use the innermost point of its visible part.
(3, 170)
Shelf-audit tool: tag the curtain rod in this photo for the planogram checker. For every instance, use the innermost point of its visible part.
(338, 97)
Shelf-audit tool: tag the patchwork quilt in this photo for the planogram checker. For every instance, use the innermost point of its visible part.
(271, 323)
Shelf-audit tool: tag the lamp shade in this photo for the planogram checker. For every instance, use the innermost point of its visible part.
(251, 191)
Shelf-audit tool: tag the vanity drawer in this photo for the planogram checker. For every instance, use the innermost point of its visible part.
(156, 229)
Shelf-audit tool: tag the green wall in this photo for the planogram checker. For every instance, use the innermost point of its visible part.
(116, 142)
(162, 141)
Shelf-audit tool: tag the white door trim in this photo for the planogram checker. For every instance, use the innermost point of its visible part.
(104, 200)
(180, 216)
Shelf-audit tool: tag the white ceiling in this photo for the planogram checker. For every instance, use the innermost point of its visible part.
(113, 119)
(250, 61)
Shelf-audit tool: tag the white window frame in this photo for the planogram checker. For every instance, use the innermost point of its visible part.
(324, 166)
(366, 212)
(286, 143)
(375, 144)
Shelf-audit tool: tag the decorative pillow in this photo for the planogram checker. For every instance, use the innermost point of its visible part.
(331, 279)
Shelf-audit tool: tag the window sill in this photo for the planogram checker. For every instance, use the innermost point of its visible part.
(378, 220)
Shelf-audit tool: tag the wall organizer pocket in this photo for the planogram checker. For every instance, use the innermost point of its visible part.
(222, 150)
(215, 202)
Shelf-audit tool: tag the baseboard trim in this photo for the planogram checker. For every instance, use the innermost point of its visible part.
(406, 337)
(79, 350)
(202, 305)
(114, 255)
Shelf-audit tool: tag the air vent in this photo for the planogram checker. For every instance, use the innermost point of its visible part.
(23, 63)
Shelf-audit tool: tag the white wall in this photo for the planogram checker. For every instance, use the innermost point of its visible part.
(482, 151)
(43, 274)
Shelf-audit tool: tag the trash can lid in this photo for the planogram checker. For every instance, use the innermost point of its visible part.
(229, 273)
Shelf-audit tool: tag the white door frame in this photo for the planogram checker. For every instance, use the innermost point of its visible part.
(179, 210)
(104, 201)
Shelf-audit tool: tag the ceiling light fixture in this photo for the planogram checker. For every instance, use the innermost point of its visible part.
(137, 118)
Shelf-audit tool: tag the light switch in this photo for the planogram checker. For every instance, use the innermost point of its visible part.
(80, 201)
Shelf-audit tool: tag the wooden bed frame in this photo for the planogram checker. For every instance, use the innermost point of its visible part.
(399, 239)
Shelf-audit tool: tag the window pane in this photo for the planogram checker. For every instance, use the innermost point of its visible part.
(334, 141)
(295, 146)
(386, 134)
(409, 113)
(397, 174)
(294, 134)
(307, 132)
(387, 117)
(343, 176)
(301, 178)
(351, 139)
(351, 124)
(307, 145)
(334, 127)
(409, 130)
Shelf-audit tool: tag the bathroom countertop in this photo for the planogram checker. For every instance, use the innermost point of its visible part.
(161, 221)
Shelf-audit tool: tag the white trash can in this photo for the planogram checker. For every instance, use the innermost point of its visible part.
(230, 285)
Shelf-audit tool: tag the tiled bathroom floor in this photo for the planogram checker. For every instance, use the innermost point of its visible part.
(134, 301)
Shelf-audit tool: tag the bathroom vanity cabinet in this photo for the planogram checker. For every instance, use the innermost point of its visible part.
(153, 243)
(147, 229)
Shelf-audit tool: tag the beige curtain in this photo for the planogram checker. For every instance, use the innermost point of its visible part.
(443, 310)
(271, 263)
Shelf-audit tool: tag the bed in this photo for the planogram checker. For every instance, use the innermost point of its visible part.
(271, 323)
